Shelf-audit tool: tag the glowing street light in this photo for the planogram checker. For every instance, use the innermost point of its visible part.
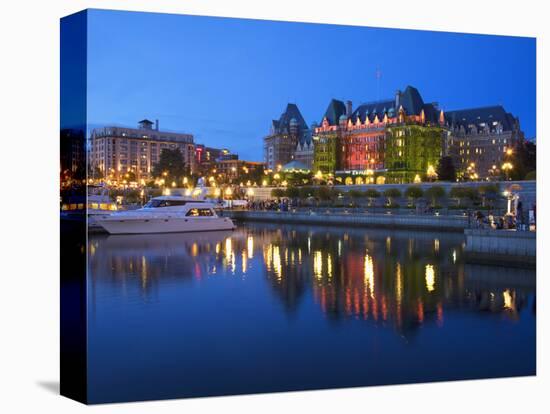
(431, 173)
(507, 167)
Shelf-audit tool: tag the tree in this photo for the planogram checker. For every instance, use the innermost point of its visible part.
(355, 195)
(371, 194)
(463, 193)
(171, 166)
(130, 176)
(435, 192)
(446, 170)
(292, 192)
(324, 193)
(277, 193)
(305, 192)
(531, 175)
(391, 194)
(414, 192)
(520, 159)
(488, 192)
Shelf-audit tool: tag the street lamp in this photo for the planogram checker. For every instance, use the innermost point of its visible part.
(507, 167)
(431, 173)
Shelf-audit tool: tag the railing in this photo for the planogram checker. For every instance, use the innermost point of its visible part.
(383, 210)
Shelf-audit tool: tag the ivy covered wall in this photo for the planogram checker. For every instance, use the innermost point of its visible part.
(326, 153)
(410, 150)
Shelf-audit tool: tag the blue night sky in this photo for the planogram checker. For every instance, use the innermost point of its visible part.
(223, 80)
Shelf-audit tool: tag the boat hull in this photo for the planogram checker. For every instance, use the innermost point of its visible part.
(164, 225)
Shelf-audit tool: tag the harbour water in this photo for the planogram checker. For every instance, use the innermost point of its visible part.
(288, 307)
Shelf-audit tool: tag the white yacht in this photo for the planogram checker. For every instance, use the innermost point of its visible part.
(166, 214)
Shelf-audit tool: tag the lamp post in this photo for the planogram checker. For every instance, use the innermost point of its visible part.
(507, 167)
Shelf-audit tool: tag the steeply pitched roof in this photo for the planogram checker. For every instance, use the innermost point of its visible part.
(411, 101)
(334, 111)
(291, 112)
(476, 116)
(305, 137)
(371, 109)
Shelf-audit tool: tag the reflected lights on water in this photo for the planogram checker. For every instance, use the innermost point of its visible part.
(430, 278)
(369, 274)
(250, 246)
(318, 264)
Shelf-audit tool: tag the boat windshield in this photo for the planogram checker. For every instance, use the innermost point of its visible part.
(164, 203)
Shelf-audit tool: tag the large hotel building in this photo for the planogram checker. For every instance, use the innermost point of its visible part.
(116, 151)
(399, 139)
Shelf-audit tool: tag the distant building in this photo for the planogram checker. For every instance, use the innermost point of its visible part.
(285, 134)
(207, 157)
(73, 154)
(479, 138)
(116, 151)
(232, 169)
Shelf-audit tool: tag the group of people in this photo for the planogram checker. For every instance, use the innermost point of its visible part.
(508, 221)
(272, 205)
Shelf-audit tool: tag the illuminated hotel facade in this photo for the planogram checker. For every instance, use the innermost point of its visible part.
(402, 139)
(398, 138)
(116, 151)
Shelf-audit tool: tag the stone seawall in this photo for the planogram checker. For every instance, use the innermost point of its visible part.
(420, 222)
(501, 247)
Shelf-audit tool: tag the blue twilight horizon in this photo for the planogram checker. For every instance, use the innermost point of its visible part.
(225, 79)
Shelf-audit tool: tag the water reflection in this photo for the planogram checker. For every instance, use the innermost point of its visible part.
(385, 277)
(377, 307)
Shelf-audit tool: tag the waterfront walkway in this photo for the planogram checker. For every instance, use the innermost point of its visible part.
(388, 219)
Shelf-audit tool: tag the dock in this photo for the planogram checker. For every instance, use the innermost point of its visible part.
(379, 220)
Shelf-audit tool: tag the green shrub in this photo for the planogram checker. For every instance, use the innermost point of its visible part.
(277, 193)
(355, 194)
(435, 193)
(372, 193)
(305, 192)
(391, 194)
(292, 192)
(414, 192)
